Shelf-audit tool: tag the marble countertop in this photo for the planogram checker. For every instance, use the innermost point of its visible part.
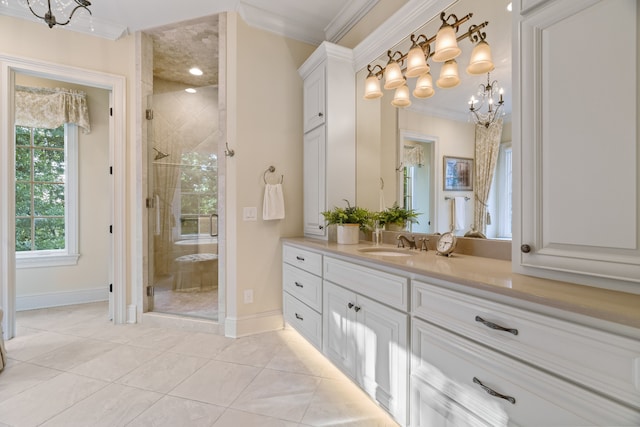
(497, 276)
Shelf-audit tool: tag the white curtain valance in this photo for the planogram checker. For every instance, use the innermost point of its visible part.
(50, 108)
(413, 155)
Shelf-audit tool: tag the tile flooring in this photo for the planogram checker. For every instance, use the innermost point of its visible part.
(69, 366)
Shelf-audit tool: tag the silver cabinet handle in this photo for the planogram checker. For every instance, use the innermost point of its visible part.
(299, 317)
(496, 327)
(299, 285)
(493, 392)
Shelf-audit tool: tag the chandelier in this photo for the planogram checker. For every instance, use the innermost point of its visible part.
(487, 94)
(60, 6)
(415, 62)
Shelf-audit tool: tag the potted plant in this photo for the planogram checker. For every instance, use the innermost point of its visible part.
(396, 218)
(349, 221)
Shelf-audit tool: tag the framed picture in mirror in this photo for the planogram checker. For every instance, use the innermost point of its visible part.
(458, 174)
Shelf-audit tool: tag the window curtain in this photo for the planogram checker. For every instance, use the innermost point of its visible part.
(413, 155)
(50, 108)
(487, 149)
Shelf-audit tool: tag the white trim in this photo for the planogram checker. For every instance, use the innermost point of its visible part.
(45, 259)
(117, 143)
(352, 12)
(235, 327)
(57, 299)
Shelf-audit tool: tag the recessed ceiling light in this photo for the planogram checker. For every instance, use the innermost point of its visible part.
(196, 71)
(509, 7)
(190, 90)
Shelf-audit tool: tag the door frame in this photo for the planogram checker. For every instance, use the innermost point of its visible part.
(9, 65)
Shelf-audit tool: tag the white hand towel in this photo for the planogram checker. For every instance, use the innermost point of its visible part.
(459, 210)
(273, 206)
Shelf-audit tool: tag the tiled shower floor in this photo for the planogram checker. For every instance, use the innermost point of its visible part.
(70, 366)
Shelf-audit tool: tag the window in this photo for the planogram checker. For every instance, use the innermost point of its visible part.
(46, 196)
(505, 186)
(198, 195)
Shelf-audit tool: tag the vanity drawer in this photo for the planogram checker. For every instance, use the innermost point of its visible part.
(467, 373)
(301, 258)
(605, 362)
(387, 288)
(303, 285)
(304, 319)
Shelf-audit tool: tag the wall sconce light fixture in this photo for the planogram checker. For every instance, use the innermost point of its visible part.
(416, 63)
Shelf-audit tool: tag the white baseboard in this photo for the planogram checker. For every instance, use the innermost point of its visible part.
(235, 327)
(57, 299)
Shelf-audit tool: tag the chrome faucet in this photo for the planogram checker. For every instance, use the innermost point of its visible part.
(402, 239)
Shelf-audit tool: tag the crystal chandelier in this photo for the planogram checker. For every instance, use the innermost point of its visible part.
(486, 96)
(60, 7)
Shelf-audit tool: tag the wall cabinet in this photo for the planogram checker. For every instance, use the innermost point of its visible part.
(576, 188)
(329, 140)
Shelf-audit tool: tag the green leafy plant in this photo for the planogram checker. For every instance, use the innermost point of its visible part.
(397, 215)
(349, 215)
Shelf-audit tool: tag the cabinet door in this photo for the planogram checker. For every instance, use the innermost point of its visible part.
(339, 326)
(314, 98)
(578, 162)
(382, 349)
(314, 182)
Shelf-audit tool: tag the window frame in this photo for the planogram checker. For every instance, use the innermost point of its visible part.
(69, 255)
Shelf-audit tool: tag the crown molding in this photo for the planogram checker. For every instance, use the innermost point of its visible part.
(81, 23)
(408, 18)
(349, 15)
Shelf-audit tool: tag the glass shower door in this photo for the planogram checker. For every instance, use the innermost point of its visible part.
(183, 194)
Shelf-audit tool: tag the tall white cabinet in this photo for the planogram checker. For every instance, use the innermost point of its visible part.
(329, 134)
(576, 175)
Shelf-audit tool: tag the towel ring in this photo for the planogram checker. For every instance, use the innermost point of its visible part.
(271, 169)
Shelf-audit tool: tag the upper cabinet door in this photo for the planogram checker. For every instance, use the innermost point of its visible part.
(576, 85)
(314, 99)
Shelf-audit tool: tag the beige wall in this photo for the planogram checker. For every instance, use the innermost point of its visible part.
(35, 41)
(264, 128)
(93, 212)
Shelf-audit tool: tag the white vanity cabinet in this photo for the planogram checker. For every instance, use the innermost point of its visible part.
(581, 227)
(302, 292)
(329, 139)
(365, 338)
(541, 370)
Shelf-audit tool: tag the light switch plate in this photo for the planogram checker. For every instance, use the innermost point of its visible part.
(250, 214)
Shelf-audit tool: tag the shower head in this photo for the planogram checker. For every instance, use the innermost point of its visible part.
(160, 154)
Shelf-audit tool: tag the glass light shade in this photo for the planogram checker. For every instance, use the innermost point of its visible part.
(424, 86)
(416, 62)
(449, 75)
(372, 87)
(401, 97)
(480, 62)
(393, 76)
(446, 44)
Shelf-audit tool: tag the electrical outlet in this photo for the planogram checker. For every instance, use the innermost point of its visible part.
(248, 296)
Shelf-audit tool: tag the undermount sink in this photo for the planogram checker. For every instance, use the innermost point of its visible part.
(386, 251)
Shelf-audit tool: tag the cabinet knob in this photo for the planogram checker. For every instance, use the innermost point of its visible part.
(320, 114)
(321, 227)
(356, 308)
(525, 249)
(350, 305)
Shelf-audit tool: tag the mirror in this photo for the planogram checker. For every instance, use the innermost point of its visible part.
(401, 151)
